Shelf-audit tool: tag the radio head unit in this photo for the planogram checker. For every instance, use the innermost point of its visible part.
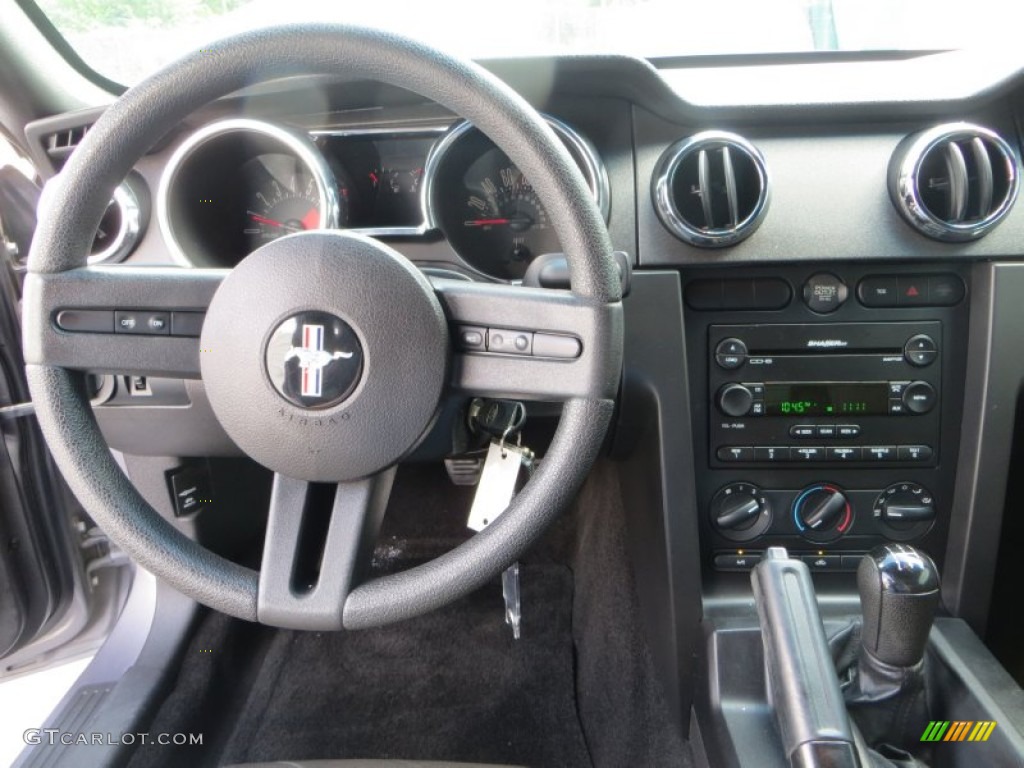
(855, 393)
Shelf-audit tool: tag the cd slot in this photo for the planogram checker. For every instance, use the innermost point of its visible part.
(827, 352)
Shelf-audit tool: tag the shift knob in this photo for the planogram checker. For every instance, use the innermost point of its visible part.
(899, 591)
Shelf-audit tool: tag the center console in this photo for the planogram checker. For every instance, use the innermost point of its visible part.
(826, 409)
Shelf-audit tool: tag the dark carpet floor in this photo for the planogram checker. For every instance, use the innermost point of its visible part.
(452, 685)
(577, 691)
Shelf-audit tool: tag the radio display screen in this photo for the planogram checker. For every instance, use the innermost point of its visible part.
(826, 398)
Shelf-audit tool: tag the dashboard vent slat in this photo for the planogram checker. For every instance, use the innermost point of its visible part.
(956, 167)
(985, 179)
(730, 186)
(711, 190)
(704, 184)
(954, 182)
(60, 144)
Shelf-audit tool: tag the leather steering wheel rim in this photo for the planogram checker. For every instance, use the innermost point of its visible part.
(74, 203)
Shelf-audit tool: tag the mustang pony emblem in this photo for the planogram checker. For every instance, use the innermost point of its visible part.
(313, 358)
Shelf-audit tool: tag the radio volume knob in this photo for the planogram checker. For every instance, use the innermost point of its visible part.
(735, 400)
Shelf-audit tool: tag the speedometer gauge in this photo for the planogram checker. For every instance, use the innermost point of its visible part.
(488, 210)
(503, 216)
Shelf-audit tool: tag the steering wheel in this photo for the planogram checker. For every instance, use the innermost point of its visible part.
(383, 356)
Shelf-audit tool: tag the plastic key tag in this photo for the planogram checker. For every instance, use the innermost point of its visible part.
(497, 484)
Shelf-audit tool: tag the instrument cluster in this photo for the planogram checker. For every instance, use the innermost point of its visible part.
(237, 184)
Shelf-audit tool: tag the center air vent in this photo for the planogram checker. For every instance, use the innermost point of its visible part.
(954, 182)
(711, 189)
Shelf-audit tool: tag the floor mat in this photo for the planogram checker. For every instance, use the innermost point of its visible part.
(451, 685)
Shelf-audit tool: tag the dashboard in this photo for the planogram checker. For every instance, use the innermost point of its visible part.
(815, 274)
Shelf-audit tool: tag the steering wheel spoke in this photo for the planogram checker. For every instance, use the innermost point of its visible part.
(118, 319)
(530, 343)
(320, 539)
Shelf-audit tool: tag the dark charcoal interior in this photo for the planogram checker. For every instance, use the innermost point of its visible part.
(576, 690)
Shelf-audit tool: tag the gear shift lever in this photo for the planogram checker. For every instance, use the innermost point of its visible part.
(899, 591)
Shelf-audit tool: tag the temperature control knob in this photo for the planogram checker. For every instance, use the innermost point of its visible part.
(735, 400)
(822, 513)
(740, 512)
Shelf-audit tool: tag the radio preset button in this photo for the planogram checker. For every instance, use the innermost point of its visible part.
(802, 430)
(919, 397)
(921, 350)
(801, 453)
(880, 453)
(843, 453)
(731, 354)
(735, 453)
(824, 293)
(914, 452)
(848, 431)
(772, 453)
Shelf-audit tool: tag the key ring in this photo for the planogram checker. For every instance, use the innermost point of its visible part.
(518, 417)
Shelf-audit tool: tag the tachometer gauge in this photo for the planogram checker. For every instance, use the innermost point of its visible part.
(488, 210)
(282, 199)
(234, 185)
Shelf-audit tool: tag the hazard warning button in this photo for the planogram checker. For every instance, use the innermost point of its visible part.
(912, 290)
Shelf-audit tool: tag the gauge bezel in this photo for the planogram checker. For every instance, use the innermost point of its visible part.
(434, 130)
(594, 172)
(294, 141)
(128, 231)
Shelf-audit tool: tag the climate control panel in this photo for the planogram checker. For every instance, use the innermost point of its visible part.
(821, 513)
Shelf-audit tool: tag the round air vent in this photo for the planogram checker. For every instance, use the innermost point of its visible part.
(954, 182)
(711, 189)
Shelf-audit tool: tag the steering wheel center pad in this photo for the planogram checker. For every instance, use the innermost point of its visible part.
(402, 341)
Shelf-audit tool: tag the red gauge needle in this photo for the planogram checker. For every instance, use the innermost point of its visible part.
(487, 222)
(264, 220)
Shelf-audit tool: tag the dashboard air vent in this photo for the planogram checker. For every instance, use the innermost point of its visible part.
(954, 182)
(60, 144)
(711, 189)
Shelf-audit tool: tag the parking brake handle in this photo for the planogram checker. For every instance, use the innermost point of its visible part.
(802, 684)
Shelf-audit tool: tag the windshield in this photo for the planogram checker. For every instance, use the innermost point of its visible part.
(124, 40)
